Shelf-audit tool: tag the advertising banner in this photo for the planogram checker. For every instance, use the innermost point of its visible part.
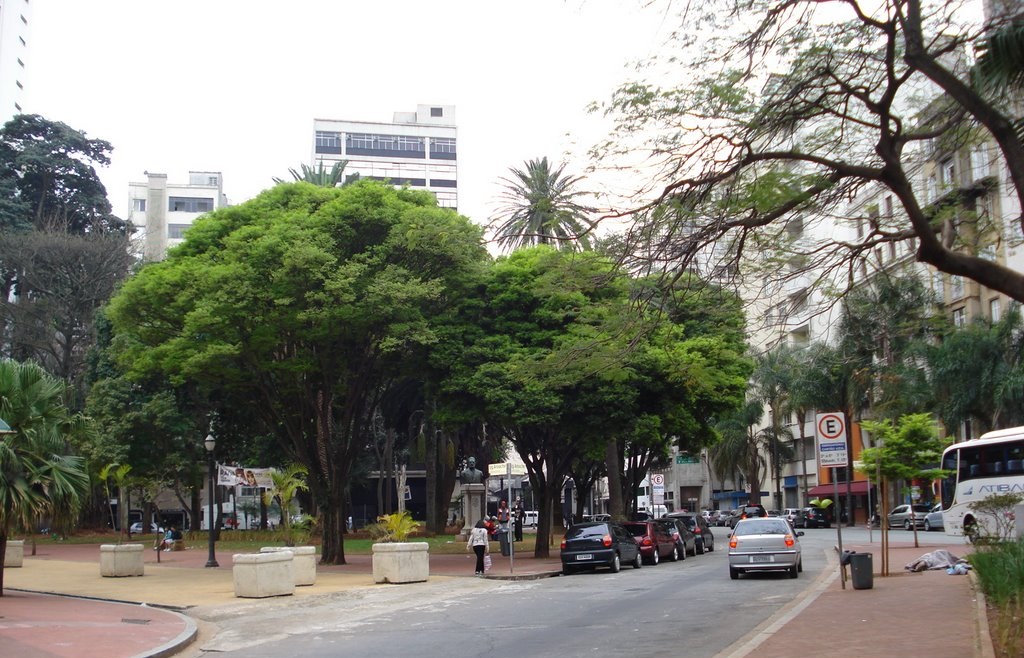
(233, 476)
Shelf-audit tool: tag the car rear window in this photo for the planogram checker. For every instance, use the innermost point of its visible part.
(767, 526)
(636, 529)
(593, 530)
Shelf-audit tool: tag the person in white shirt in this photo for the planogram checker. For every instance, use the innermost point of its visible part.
(479, 542)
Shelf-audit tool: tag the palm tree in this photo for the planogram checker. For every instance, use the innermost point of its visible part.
(37, 478)
(1000, 65)
(320, 176)
(287, 484)
(740, 448)
(541, 206)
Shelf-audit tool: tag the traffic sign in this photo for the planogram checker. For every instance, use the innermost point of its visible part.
(830, 429)
(658, 488)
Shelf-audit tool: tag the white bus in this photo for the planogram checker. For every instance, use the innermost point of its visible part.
(990, 464)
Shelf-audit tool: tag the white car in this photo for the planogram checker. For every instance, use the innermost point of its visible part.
(136, 528)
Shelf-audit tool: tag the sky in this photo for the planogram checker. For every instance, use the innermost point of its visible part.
(234, 85)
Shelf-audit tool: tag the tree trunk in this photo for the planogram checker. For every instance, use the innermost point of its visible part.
(431, 459)
(611, 462)
(3, 556)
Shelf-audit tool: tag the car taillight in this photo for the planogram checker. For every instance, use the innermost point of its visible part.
(606, 540)
(646, 541)
(563, 542)
(743, 515)
(696, 531)
(789, 540)
(733, 542)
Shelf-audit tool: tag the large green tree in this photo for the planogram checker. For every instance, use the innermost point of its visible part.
(542, 205)
(768, 114)
(38, 479)
(300, 305)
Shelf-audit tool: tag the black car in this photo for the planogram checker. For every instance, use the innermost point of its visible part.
(598, 544)
(704, 539)
(814, 517)
(686, 543)
(747, 512)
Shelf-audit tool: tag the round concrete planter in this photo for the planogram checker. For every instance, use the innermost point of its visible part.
(401, 562)
(119, 560)
(303, 565)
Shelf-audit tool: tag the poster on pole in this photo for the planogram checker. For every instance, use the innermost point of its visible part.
(830, 431)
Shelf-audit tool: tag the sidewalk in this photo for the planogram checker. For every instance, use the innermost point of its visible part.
(928, 613)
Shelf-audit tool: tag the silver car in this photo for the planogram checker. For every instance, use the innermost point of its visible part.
(764, 544)
(907, 516)
(933, 520)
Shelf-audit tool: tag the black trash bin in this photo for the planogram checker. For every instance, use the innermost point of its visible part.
(862, 571)
(503, 540)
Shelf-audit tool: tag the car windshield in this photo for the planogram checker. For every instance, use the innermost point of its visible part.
(762, 527)
(587, 530)
(922, 509)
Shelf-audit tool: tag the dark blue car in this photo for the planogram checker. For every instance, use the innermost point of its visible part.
(598, 544)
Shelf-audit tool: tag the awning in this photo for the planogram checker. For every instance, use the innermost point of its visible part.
(857, 488)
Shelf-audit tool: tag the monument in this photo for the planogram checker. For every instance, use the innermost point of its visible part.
(473, 496)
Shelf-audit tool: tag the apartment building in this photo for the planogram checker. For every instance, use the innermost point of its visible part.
(417, 149)
(161, 212)
(15, 23)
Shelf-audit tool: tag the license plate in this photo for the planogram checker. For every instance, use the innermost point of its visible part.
(762, 558)
(585, 556)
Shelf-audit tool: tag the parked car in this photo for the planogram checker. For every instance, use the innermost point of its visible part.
(933, 520)
(907, 516)
(791, 514)
(530, 518)
(136, 528)
(774, 512)
(654, 541)
(681, 535)
(814, 517)
(746, 512)
(764, 544)
(598, 544)
(718, 517)
(704, 539)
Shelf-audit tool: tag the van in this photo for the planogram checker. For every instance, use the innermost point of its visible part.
(530, 518)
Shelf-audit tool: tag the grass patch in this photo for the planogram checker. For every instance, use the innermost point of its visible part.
(1000, 571)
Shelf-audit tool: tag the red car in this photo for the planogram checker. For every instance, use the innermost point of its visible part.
(653, 540)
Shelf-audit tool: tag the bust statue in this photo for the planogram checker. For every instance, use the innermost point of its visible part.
(471, 474)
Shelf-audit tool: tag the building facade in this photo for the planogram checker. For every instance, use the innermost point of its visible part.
(161, 212)
(15, 21)
(417, 149)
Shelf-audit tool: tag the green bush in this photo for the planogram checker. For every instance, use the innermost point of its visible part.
(1000, 570)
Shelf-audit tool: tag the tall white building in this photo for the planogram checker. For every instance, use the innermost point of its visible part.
(15, 19)
(162, 212)
(417, 149)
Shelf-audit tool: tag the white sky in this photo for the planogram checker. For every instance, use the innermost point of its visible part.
(234, 85)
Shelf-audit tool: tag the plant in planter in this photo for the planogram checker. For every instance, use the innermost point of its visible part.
(118, 560)
(119, 473)
(396, 560)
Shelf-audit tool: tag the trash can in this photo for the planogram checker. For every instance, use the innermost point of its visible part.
(862, 571)
(503, 540)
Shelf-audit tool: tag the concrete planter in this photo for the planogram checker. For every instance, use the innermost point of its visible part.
(303, 564)
(120, 560)
(259, 575)
(15, 553)
(401, 562)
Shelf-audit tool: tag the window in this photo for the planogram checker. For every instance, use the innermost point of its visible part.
(189, 204)
(947, 173)
(931, 189)
(994, 310)
(328, 142)
(139, 205)
(441, 145)
(177, 231)
(956, 287)
(979, 162)
(437, 111)
(385, 145)
(212, 181)
(959, 318)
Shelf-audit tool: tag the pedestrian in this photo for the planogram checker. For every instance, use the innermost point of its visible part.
(479, 543)
(518, 515)
(165, 542)
(504, 514)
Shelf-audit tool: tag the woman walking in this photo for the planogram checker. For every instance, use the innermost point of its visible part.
(478, 541)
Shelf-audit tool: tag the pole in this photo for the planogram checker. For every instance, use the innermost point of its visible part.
(511, 524)
(839, 532)
(212, 559)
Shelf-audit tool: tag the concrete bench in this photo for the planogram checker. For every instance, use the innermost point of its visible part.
(303, 564)
(259, 575)
(15, 554)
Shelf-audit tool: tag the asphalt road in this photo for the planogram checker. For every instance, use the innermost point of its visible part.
(689, 608)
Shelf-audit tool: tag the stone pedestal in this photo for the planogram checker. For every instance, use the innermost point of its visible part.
(474, 501)
(303, 564)
(120, 560)
(401, 562)
(259, 575)
(15, 553)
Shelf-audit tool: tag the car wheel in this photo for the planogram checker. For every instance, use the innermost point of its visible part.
(638, 561)
(568, 571)
(734, 573)
(800, 565)
(698, 547)
(675, 554)
(906, 525)
(616, 564)
(710, 547)
(927, 526)
(655, 557)
(793, 571)
(682, 553)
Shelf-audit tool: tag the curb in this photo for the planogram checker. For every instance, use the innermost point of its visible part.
(983, 639)
(526, 576)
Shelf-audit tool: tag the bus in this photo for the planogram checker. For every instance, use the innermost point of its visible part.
(990, 464)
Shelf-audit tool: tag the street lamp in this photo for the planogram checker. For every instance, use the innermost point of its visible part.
(210, 444)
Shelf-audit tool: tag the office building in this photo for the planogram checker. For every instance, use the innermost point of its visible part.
(417, 149)
(15, 20)
(161, 212)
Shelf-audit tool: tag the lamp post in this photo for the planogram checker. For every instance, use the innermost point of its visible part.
(210, 444)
